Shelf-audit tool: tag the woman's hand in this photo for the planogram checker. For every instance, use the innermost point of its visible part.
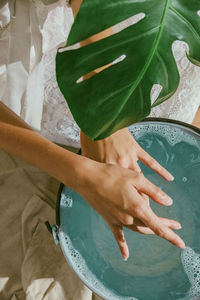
(119, 196)
(122, 149)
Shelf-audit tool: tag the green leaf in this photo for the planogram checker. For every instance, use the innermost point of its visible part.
(120, 95)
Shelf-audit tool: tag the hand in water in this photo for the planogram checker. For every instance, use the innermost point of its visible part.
(121, 149)
(121, 195)
(116, 194)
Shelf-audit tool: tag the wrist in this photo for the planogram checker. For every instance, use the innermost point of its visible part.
(85, 173)
(71, 169)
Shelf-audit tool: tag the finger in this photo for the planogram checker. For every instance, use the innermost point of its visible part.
(170, 223)
(121, 241)
(149, 161)
(140, 229)
(148, 217)
(166, 222)
(145, 197)
(156, 194)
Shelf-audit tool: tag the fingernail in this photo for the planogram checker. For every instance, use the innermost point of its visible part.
(170, 177)
(166, 199)
(181, 245)
(178, 226)
(125, 256)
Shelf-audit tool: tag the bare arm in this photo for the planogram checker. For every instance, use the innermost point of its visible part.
(18, 139)
(112, 191)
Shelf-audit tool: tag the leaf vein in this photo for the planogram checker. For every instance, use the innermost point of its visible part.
(186, 22)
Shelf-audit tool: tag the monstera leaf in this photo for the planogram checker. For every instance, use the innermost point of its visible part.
(120, 94)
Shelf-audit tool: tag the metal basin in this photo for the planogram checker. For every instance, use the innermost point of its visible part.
(156, 270)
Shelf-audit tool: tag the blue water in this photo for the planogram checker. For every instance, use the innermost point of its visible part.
(155, 269)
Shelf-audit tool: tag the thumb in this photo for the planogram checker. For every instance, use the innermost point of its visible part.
(118, 233)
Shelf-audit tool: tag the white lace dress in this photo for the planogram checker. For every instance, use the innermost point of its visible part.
(37, 98)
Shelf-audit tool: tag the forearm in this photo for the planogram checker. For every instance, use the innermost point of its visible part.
(18, 139)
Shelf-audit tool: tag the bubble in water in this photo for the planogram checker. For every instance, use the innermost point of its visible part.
(184, 179)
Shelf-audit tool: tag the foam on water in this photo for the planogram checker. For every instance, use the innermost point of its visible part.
(66, 200)
(79, 265)
(174, 135)
(191, 264)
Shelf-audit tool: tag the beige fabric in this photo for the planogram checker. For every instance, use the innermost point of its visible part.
(32, 267)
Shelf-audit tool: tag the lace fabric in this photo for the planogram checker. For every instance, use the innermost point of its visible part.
(57, 123)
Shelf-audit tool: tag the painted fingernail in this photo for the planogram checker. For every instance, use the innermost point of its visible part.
(181, 245)
(166, 199)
